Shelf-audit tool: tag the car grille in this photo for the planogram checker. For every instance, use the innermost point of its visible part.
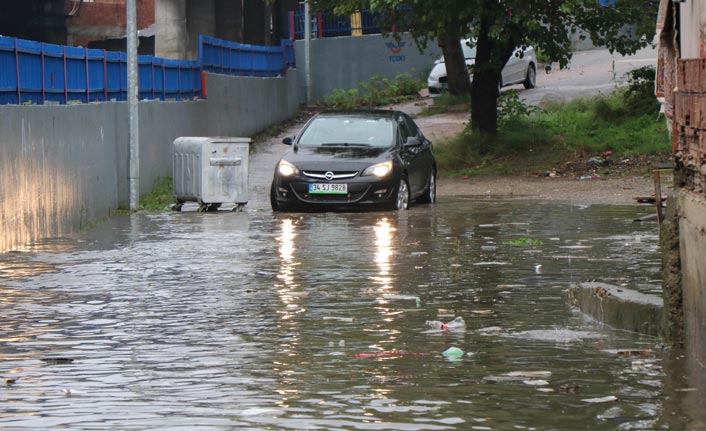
(321, 175)
(443, 79)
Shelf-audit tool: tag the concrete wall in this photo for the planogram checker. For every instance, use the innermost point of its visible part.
(683, 236)
(345, 62)
(692, 239)
(62, 167)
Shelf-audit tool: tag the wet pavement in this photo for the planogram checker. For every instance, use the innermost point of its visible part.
(255, 320)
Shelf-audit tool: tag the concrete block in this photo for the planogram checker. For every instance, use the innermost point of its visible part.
(619, 307)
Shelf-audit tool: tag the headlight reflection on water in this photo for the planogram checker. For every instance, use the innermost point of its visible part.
(288, 289)
(384, 233)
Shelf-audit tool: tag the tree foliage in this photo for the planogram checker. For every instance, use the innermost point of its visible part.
(497, 27)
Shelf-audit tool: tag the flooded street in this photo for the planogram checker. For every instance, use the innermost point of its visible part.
(255, 320)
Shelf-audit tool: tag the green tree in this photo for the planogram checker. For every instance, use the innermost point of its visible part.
(499, 26)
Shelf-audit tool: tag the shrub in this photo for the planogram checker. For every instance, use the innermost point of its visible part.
(511, 107)
(377, 91)
(639, 96)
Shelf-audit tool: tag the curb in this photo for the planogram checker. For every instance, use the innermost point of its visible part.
(618, 307)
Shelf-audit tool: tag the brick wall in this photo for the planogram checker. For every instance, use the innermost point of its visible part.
(689, 126)
(101, 19)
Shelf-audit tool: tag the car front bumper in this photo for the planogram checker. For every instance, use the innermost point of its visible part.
(361, 192)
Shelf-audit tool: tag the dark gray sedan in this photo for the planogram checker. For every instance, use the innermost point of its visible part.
(355, 159)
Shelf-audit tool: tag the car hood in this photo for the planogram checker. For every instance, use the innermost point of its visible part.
(352, 158)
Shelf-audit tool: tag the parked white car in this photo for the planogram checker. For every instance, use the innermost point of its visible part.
(519, 69)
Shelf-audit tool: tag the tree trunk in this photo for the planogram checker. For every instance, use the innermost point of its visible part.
(491, 56)
(456, 70)
(484, 91)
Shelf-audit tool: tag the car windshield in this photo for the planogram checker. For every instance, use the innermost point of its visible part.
(348, 131)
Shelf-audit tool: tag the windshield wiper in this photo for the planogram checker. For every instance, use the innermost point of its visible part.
(345, 144)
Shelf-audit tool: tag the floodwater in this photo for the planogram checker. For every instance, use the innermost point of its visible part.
(254, 320)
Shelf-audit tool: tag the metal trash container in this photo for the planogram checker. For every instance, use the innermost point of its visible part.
(210, 171)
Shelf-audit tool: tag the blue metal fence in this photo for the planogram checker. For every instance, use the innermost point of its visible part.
(41, 73)
(232, 58)
(331, 25)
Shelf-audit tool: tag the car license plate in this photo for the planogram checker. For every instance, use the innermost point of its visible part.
(328, 188)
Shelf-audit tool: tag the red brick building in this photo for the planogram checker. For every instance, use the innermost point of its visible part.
(96, 21)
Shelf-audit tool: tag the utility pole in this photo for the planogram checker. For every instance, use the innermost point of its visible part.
(132, 99)
(307, 50)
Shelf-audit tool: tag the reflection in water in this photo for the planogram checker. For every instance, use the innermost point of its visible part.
(42, 201)
(384, 233)
(287, 290)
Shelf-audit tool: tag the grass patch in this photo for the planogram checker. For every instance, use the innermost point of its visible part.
(160, 197)
(534, 140)
(446, 102)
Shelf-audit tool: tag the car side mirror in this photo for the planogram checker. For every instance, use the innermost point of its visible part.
(287, 141)
(413, 141)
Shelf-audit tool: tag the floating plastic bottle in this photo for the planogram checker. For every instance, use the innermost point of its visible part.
(453, 353)
(457, 323)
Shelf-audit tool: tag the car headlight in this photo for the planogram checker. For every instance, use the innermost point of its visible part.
(287, 169)
(379, 170)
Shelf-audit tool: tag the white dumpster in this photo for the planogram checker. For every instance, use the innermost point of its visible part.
(210, 171)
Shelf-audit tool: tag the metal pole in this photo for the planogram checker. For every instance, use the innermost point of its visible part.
(132, 98)
(307, 50)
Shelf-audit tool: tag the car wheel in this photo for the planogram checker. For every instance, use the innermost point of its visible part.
(531, 79)
(429, 196)
(273, 198)
(401, 201)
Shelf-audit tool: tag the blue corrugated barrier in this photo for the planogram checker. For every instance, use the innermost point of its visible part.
(42, 73)
(232, 58)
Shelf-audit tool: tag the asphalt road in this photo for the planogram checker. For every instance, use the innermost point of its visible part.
(589, 73)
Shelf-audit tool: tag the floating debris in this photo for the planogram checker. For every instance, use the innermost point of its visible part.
(532, 378)
(482, 312)
(608, 399)
(537, 382)
(529, 374)
(456, 324)
(453, 353)
(10, 382)
(523, 242)
(339, 319)
(389, 355)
